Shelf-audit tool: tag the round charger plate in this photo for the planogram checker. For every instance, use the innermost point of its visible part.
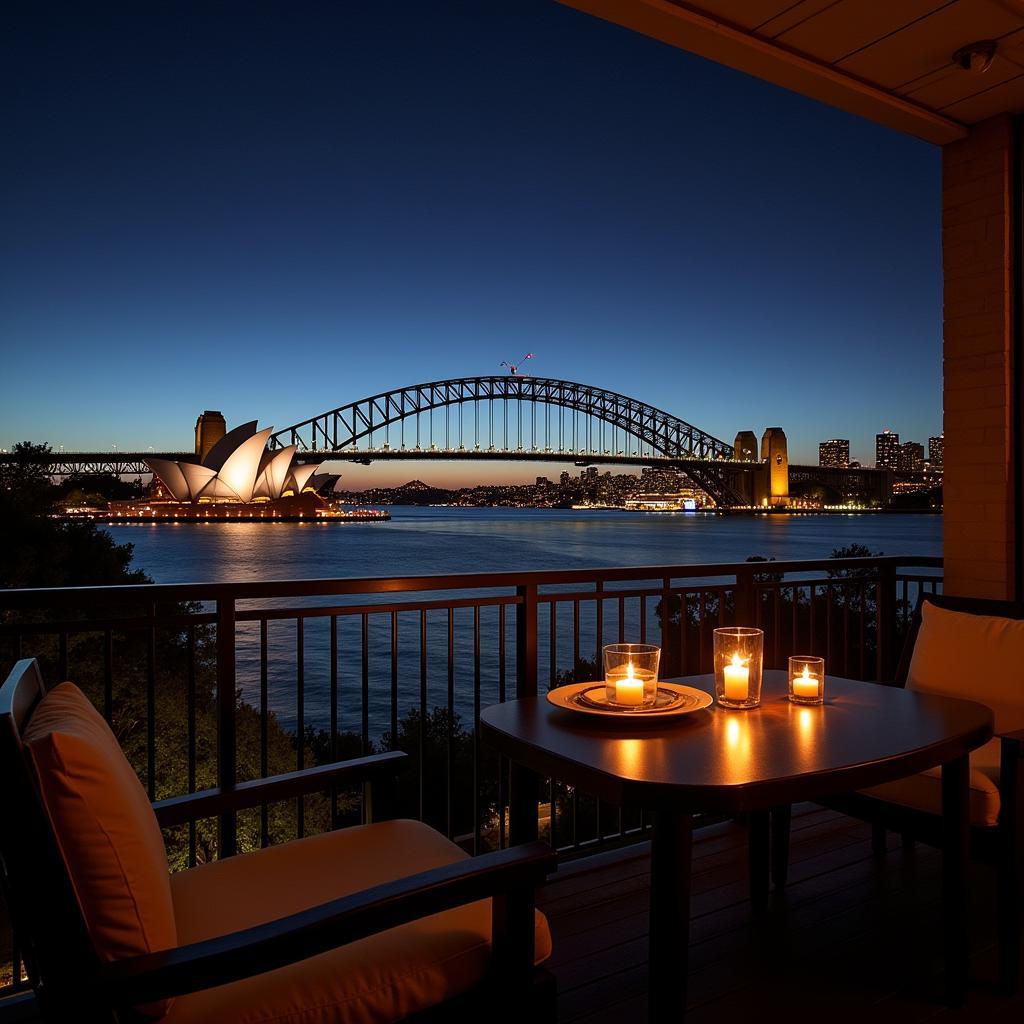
(590, 699)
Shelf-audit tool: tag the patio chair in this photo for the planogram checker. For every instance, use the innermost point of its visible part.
(380, 922)
(970, 648)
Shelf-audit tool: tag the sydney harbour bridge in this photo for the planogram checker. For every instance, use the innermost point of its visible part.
(503, 417)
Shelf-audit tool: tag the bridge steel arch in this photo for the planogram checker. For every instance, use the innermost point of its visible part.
(343, 428)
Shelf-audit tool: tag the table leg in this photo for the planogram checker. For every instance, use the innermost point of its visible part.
(758, 858)
(956, 838)
(781, 821)
(522, 806)
(671, 852)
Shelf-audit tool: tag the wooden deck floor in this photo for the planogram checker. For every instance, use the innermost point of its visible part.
(851, 938)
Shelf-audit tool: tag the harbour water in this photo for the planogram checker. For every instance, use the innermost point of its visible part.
(457, 540)
(448, 540)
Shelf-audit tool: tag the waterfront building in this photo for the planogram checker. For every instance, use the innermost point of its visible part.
(936, 447)
(887, 450)
(237, 477)
(835, 453)
(911, 457)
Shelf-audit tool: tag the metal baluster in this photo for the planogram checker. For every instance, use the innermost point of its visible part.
(334, 714)
(575, 637)
(862, 601)
(502, 764)
(151, 707)
(846, 629)
(394, 677)
(226, 721)
(364, 731)
(476, 728)
(422, 758)
(702, 608)
(813, 645)
(190, 713)
(451, 715)
(828, 625)
(501, 653)
(776, 592)
(553, 643)
(264, 730)
(300, 717)
(643, 619)
(684, 614)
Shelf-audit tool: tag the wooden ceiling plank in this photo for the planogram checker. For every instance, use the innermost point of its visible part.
(1007, 97)
(691, 30)
(852, 25)
(792, 18)
(929, 44)
(749, 14)
(957, 85)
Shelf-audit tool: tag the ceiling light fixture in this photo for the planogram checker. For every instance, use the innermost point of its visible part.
(976, 57)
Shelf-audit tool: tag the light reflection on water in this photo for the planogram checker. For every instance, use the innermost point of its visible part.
(440, 540)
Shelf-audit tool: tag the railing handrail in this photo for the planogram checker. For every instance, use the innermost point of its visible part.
(253, 589)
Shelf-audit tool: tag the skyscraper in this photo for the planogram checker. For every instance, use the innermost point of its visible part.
(936, 447)
(887, 450)
(911, 457)
(834, 453)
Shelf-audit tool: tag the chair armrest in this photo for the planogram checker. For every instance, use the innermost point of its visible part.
(290, 939)
(1016, 737)
(179, 810)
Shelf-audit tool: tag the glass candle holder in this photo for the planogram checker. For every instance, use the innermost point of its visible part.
(806, 679)
(631, 674)
(739, 656)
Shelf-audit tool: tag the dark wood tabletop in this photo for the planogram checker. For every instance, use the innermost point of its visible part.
(734, 761)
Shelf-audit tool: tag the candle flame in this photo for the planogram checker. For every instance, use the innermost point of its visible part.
(736, 663)
(807, 673)
(629, 671)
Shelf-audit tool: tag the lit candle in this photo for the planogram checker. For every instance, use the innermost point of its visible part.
(629, 689)
(737, 680)
(805, 685)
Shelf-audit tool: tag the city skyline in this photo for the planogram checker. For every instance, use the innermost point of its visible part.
(362, 225)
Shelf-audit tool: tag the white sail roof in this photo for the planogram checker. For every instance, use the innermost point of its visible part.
(239, 467)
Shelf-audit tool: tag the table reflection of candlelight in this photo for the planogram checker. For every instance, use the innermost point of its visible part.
(737, 679)
(629, 689)
(805, 685)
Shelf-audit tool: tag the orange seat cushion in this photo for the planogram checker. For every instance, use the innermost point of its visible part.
(923, 792)
(975, 657)
(384, 977)
(105, 828)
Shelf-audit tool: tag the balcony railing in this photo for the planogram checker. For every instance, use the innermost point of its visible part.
(207, 685)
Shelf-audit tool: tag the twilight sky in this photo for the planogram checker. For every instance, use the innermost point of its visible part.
(274, 209)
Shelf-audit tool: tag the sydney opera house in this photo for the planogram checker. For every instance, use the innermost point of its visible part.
(236, 477)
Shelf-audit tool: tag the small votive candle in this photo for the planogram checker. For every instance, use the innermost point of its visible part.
(806, 679)
(736, 679)
(631, 675)
(629, 689)
(739, 655)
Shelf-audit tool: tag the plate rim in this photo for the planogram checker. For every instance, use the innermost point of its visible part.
(706, 701)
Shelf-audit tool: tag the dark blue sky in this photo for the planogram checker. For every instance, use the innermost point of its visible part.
(276, 209)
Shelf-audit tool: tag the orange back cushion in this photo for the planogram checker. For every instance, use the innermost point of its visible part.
(105, 827)
(977, 657)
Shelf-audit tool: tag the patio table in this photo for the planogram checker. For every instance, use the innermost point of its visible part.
(745, 762)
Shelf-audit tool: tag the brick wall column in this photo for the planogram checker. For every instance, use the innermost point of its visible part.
(979, 418)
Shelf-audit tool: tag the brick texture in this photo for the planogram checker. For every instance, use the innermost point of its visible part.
(978, 362)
